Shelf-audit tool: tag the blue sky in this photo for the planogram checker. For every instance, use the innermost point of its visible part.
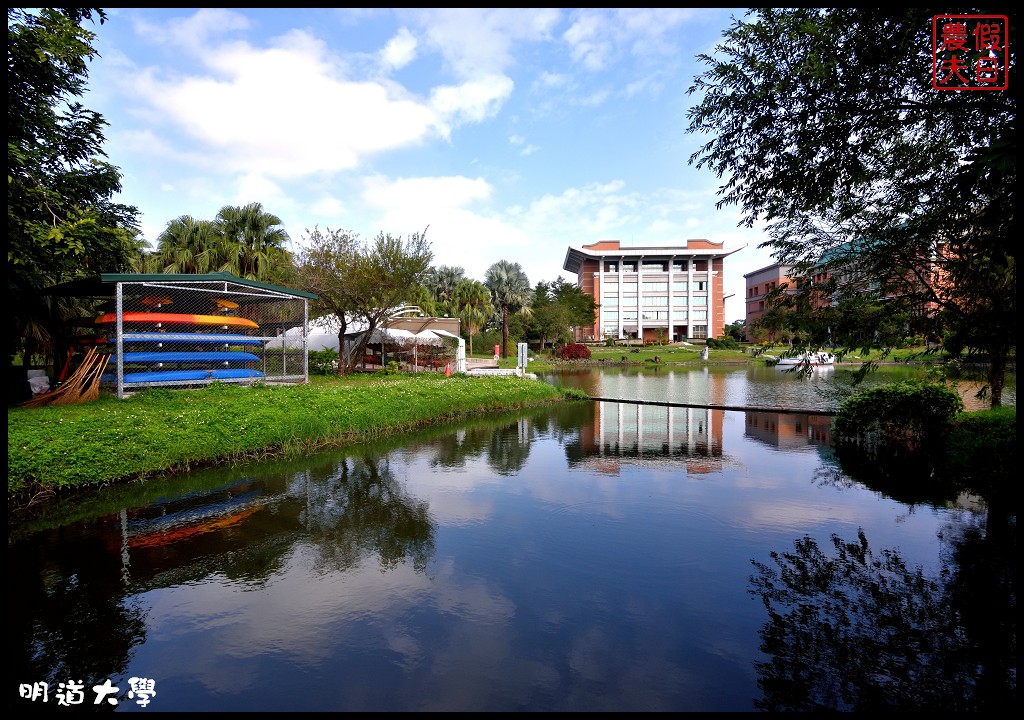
(506, 134)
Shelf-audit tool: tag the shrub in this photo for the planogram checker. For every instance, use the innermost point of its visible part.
(723, 343)
(323, 362)
(908, 415)
(576, 351)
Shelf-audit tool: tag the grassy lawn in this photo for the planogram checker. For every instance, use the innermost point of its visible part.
(690, 354)
(156, 431)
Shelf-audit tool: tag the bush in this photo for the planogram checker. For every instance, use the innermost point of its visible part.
(576, 351)
(908, 415)
(323, 362)
(723, 343)
(981, 451)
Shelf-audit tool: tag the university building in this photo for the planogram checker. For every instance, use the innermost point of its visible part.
(655, 293)
(759, 283)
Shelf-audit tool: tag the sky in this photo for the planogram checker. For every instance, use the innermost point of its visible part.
(502, 134)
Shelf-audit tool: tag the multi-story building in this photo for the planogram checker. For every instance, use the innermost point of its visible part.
(759, 283)
(652, 292)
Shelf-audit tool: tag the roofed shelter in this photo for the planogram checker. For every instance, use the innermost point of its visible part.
(184, 330)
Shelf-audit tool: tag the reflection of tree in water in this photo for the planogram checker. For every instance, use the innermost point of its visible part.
(360, 509)
(453, 449)
(477, 437)
(900, 478)
(509, 447)
(70, 618)
(861, 631)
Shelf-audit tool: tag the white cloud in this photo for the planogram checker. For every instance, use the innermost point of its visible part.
(284, 111)
(472, 101)
(400, 50)
(477, 42)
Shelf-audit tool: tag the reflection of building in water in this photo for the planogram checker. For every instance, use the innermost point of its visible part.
(785, 430)
(624, 430)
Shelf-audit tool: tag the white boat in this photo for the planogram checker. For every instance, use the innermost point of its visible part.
(818, 359)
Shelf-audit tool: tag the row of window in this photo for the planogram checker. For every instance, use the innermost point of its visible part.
(612, 300)
(631, 315)
(630, 266)
(677, 285)
(698, 332)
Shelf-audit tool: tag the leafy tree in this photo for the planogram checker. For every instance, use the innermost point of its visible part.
(736, 329)
(580, 307)
(331, 267)
(251, 243)
(859, 168)
(61, 221)
(187, 245)
(421, 297)
(557, 309)
(473, 306)
(442, 283)
(361, 283)
(510, 292)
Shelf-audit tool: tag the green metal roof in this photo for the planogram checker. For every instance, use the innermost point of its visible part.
(102, 285)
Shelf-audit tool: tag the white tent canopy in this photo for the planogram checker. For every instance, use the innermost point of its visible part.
(392, 335)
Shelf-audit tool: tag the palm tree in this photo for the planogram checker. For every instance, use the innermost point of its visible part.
(442, 283)
(186, 246)
(510, 291)
(473, 306)
(252, 242)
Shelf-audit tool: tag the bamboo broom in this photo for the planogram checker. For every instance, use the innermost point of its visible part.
(83, 385)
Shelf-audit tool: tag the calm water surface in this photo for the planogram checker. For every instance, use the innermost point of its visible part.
(602, 556)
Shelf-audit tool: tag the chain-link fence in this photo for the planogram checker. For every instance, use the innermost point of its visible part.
(192, 330)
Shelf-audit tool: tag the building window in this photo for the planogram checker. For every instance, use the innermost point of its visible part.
(678, 314)
(655, 315)
(610, 315)
(700, 286)
(629, 315)
(610, 300)
(631, 301)
(612, 330)
(654, 266)
(629, 266)
(656, 286)
(700, 299)
(655, 300)
(679, 285)
(700, 332)
(679, 265)
(611, 267)
(699, 314)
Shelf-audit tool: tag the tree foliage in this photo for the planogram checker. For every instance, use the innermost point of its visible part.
(510, 292)
(246, 241)
(443, 283)
(824, 125)
(557, 309)
(473, 306)
(61, 220)
(361, 284)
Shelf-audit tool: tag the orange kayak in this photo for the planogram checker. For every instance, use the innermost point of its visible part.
(176, 319)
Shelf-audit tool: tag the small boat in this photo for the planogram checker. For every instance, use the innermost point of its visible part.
(817, 359)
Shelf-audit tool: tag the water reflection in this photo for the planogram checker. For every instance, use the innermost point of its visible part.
(861, 630)
(749, 385)
(592, 556)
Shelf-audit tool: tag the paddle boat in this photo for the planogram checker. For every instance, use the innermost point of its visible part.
(816, 359)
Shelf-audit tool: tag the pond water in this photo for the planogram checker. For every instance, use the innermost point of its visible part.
(598, 556)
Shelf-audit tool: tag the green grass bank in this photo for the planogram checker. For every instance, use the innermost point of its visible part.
(55, 449)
